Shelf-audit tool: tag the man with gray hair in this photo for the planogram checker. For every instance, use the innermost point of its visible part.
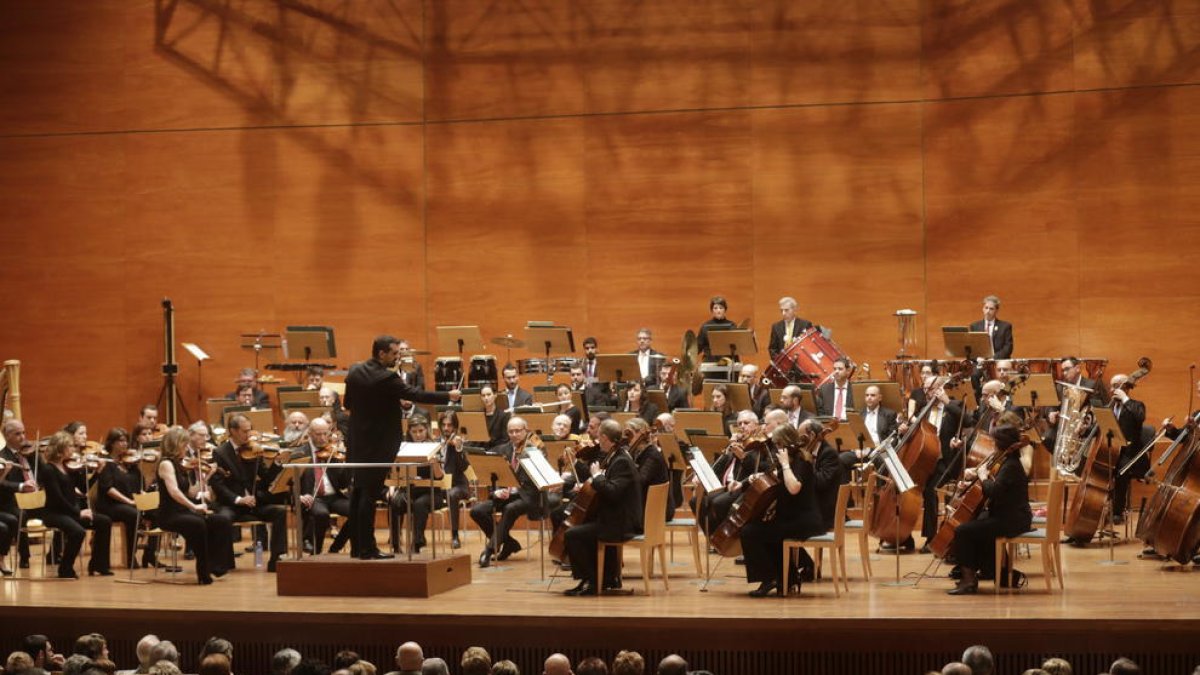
(435, 666)
(648, 358)
(410, 659)
(557, 664)
(284, 660)
(788, 328)
(164, 651)
(979, 659)
(143, 655)
(248, 378)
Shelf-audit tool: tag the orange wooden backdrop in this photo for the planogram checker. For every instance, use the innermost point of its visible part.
(607, 164)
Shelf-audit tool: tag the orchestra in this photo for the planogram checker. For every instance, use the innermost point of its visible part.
(957, 429)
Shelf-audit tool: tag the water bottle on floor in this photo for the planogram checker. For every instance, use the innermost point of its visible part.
(258, 553)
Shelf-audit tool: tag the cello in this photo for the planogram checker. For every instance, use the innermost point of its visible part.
(894, 514)
(967, 502)
(582, 507)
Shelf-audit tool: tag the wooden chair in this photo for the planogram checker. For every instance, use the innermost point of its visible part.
(692, 527)
(860, 527)
(653, 538)
(835, 541)
(149, 501)
(1049, 539)
(29, 502)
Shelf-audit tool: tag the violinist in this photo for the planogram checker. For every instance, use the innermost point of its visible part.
(512, 503)
(79, 436)
(1131, 415)
(618, 514)
(717, 306)
(675, 393)
(637, 402)
(322, 491)
(22, 455)
(651, 467)
(796, 513)
(62, 512)
(117, 485)
(760, 394)
(495, 417)
(423, 502)
(241, 484)
(1007, 514)
(337, 414)
(182, 509)
(455, 463)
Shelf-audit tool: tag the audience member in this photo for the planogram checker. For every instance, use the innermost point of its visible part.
(435, 666)
(76, 664)
(1034, 671)
(409, 658)
(362, 667)
(17, 663)
(165, 667)
(1056, 666)
(629, 663)
(215, 663)
(344, 659)
(38, 647)
(476, 661)
(557, 664)
(164, 651)
(672, 664)
(143, 655)
(505, 667)
(311, 667)
(216, 645)
(104, 666)
(284, 661)
(92, 645)
(1124, 666)
(956, 668)
(979, 659)
(592, 665)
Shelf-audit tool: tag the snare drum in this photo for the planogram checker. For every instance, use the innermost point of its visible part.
(564, 364)
(483, 371)
(809, 359)
(447, 373)
(529, 366)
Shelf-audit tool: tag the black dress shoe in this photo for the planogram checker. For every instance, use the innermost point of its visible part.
(4, 571)
(99, 572)
(925, 548)
(740, 560)
(272, 564)
(455, 543)
(23, 563)
(67, 574)
(964, 589)
(508, 548)
(764, 589)
(955, 572)
(376, 555)
(485, 558)
(612, 585)
(584, 588)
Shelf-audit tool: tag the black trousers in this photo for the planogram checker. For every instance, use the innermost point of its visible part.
(74, 531)
(929, 521)
(581, 542)
(274, 514)
(316, 518)
(127, 516)
(714, 509)
(8, 530)
(512, 508)
(209, 537)
(423, 505)
(975, 544)
(762, 546)
(368, 485)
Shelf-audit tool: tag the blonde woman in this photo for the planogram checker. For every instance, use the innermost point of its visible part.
(182, 508)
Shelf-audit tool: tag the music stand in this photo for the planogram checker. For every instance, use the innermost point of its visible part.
(710, 421)
(1037, 390)
(471, 401)
(538, 422)
(201, 356)
(888, 390)
(672, 453)
(808, 399)
(617, 367)
(622, 417)
(545, 393)
(964, 391)
(732, 343)
(260, 341)
(851, 434)
(1110, 435)
(659, 398)
(550, 339)
(314, 342)
(738, 392)
(288, 480)
(710, 446)
(580, 402)
(904, 482)
(474, 426)
(962, 343)
(554, 451)
(546, 479)
(459, 340)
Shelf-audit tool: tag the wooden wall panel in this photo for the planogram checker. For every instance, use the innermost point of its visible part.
(1148, 42)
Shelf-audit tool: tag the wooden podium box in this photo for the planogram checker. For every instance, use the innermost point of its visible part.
(338, 575)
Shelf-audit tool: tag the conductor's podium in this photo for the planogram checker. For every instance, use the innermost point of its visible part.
(331, 574)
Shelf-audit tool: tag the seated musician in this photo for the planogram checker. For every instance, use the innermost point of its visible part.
(411, 371)
(651, 467)
(733, 467)
(760, 394)
(1071, 369)
(79, 435)
(718, 307)
(148, 417)
(244, 395)
(495, 417)
(828, 475)
(665, 423)
(241, 485)
(574, 468)
(721, 403)
(337, 414)
(789, 402)
(62, 512)
(560, 428)
(944, 414)
(880, 422)
(511, 503)
(618, 514)
(456, 464)
(567, 407)
(182, 508)
(424, 502)
(676, 394)
(1007, 513)
(636, 401)
(835, 397)
(114, 496)
(788, 328)
(294, 427)
(24, 459)
(323, 491)
(797, 515)
(248, 378)
(596, 393)
(515, 396)
(1131, 415)
(409, 410)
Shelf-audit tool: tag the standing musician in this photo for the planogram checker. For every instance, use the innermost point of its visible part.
(787, 329)
(22, 477)
(648, 358)
(241, 484)
(718, 307)
(512, 503)
(1000, 331)
(62, 512)
(760, 394)
(182, 508)
(595, 392)
(495, 417)
(373, 391)
(516, 397)
(114, 498)
(618, 514)
(651, 467)
(323, 491)
(456, 464)
(636, 401)
(796, 513)
(1007, 514)
(834, 398)
(1130, 414)
(675, 393)
(417, 377)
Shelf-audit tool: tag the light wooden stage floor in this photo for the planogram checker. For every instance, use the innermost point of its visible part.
(1143, 608)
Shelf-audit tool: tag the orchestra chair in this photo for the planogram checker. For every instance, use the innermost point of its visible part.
(440, 518)
(860, 527)
(143, 502)
(1049, 539)
(835, 541)
(653, 538)
(28, 503)
(692, 527)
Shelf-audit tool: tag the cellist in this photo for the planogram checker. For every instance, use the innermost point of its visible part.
(1007, 514)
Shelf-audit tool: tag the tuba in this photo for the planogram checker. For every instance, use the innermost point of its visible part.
(1070, 443)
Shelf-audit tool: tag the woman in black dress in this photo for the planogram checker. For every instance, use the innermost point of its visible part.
(182, 509)
(797, 515)
(636, 401)
(62, 512)
(117, 485)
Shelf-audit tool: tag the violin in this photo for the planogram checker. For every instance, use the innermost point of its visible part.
(331, 453)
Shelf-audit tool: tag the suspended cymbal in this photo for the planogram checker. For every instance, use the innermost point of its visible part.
(508, 342)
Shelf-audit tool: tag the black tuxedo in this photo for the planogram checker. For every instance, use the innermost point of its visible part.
(373, 393)
(1131, 419)
(825, 398)
(237, 478)
(1002, 337)
(618, 518)
(657, 358)
(779, 329)
(829, 476)
(885, 424)
(525, 499)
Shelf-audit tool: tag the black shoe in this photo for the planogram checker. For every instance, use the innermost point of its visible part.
(249, 549)
(1119, 520)
(764, 589)
(955, 572)
(23, 563)
(308, 547)
(376, 555)
(925, 548)
(584, 588)
(508, 548)
(455, 543)
(67, 574)
(188, 555)
(964, 589)
(418, 545)
(740, 560)
(612, 585)
(887, 546)
(272, 564)
(806, 574)
(485, 558)
(204, 581)
(99, 572)
(1016, 579)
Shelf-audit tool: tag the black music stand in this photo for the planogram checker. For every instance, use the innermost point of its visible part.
(309, 342)
(617, 368)
(550, 339)
(963, 344)
(1112, 438)
(734, 343)
(459, 340)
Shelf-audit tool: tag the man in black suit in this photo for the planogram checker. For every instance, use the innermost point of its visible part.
(787, 329)
(760, 394)
(595, 392)
(944, 414)
(373, 391)
(618, 515)
(247, 377)
(880, 422)
(789, 402)
(1001, 331)
(242, 486)
(1072, 373)
(322, 491)
(524, 500)
(649, 359)
(1131, 415)
(676, 394)
(514, 396)
(23, 461)
(834, 397)
(718, 306)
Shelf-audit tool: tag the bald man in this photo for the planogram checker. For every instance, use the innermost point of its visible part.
(557, 664)
(409, 658)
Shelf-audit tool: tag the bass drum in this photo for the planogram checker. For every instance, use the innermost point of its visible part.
(809, 359)
(483, 371)
(447, 373)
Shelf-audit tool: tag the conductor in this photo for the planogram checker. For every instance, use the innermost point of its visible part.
(373, 393)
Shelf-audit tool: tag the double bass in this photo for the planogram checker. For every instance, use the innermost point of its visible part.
(1171, 523)
(895, 514)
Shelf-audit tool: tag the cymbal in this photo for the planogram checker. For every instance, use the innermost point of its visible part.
(509, 342)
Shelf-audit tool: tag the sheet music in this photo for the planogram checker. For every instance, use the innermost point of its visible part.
(704, 472)
(539, 470)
